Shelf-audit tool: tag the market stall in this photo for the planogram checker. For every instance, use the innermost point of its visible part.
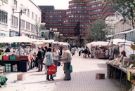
(16, 59)
(122, 69)
(98, 49)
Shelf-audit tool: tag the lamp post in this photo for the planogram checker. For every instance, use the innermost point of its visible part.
(19, 25)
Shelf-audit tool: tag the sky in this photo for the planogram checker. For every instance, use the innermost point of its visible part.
(59, 4)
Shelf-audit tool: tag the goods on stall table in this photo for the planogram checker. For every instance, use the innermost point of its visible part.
(0, 57)
(23, 58)
(5, 58)
(15, 68)
(12, 58)
(7, 67)
(1, 70)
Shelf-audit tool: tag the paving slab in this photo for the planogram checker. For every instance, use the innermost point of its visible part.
(83, 78)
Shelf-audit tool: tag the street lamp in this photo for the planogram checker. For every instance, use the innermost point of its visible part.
(19, 17)
(19, 25)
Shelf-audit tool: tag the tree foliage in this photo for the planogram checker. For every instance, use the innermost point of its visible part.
(126, 8)
(98, 32)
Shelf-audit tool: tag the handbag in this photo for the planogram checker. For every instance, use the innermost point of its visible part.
(52, 69)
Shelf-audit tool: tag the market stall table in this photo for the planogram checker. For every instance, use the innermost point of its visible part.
(120, 74)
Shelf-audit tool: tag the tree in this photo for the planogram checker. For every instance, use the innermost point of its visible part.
(98, 30)
(126, 8)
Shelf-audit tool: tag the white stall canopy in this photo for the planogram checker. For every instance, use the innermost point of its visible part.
(15, 39)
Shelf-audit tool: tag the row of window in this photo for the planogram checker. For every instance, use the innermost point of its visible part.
(56, 16)
(95, 0)
(27, 12)
(24, 24)
(97, 10)
(96, 5)
(79, 7)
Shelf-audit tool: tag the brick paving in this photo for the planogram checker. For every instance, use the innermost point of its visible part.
(83, 79)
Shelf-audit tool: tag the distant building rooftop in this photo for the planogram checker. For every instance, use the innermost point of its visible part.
(46, 8)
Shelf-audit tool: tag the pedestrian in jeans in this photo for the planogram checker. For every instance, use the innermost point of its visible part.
(40, 59)
(48, 62)
(66, 59)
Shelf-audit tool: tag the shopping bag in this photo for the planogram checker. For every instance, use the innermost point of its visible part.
(71, 68)
(0, 57)
(52, 69)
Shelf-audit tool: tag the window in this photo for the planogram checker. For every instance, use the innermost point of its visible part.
(28, 12)
(36, 18)
(32, 15)
(27, 25)
(3, 17)
(33, 28)
(14, 22)
(22, 24)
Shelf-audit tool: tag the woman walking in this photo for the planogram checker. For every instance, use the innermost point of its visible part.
(48, 62)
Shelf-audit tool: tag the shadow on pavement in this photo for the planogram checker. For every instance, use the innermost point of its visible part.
(44, 82)
(86, 81)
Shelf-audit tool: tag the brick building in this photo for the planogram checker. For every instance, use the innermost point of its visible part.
(84, 12)
(53, 18)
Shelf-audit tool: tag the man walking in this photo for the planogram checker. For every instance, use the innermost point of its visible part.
(66, 59)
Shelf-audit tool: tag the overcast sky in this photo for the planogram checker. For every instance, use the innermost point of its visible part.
(59, 4)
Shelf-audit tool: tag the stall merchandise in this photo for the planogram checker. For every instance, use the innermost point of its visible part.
(3, 80)
(125, 74)
(99, 49)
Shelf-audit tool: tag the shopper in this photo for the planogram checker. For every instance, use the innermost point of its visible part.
(48, 62)
(7, 49)
(56, 56)
(40, 59)
(66, 59)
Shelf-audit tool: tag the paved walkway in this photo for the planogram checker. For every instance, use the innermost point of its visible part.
(83, 79)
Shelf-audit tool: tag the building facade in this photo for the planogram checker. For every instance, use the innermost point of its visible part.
(53, 18)
(82, 12)
(17, 16)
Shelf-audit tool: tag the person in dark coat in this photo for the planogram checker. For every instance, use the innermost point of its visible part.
(40, 59)
(7, 50)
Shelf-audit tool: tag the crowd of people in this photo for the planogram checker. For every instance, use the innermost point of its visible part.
(46, 56)
(49, 56)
